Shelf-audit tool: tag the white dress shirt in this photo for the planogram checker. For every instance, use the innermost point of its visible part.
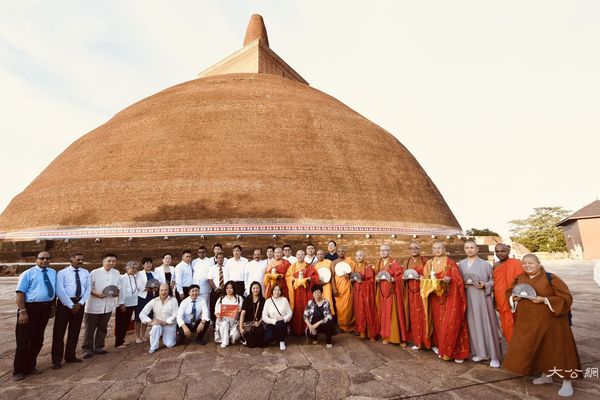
(165, 312)
(128, 290)
(159, 273)
(184, 314)
(141, 280)
(201, 269)
(237, 268)
(291, 259)
(255, 271)
(214, 274)
(184, 276)
(66, 285)
(99, 279)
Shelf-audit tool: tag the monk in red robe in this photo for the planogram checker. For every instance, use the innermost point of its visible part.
(505, 272)
(448, 306)
(300, 278)
(542, 340)
(421, 338)
(390, 300)
(275, 274)
(365, 307)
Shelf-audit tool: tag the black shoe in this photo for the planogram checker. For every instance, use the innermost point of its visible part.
(55, 366)
(35, 371)
(87, 355)
(101, 352)
(74, 360)
(18, 377)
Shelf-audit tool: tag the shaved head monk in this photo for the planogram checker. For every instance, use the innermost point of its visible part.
(342, 291)
(505, 272)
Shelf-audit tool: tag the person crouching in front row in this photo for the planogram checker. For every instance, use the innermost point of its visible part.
(193, 316)
(164, 309)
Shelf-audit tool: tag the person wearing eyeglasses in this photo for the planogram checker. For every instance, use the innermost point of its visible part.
(36, 291)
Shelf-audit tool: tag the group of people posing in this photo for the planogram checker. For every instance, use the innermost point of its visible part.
(433, 304)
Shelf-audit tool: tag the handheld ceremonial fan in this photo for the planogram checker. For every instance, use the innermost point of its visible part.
(342, 268)
(153, 284)
(324, 274)
(229, 311)
(355, 277)
(470, 279)
(384, 275)
(524, 290)
(411, 274)
(111, 290)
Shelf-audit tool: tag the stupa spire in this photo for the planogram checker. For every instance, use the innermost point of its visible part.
(256, 30)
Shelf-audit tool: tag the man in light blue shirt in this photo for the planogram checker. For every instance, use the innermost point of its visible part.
(36, 291)
(73, 289)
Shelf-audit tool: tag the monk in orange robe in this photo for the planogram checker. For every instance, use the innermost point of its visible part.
(448, 306)
(390, 300)
(322, 262)
(342, 291)
(421, 338)
(275, 274)
(542, 340)
(505, 272)
(300, 277)
(365, 307)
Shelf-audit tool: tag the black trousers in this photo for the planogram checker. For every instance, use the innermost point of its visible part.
(214, 296)
(326, 328)
(30, 336)
(181, 336)
(64, 320)
(122, 319)
(275, 332)
(240, 288)
(96, 326)
(186, 293)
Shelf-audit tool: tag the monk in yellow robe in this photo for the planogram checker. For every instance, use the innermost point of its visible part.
(342, 291)
(505, 272)
(322, 262)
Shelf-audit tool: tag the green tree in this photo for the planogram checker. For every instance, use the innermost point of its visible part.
(539, 232)
(480, 232)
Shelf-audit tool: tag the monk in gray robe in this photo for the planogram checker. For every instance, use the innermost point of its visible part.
(481, 317)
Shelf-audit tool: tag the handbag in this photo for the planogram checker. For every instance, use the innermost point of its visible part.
(248, 327)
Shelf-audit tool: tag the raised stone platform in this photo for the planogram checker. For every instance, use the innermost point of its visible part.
(353, 368)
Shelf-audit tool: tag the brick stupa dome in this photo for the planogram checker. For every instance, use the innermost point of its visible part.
(248, 147)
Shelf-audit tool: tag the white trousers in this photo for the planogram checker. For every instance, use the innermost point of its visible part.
(226, 330)
(168, 333)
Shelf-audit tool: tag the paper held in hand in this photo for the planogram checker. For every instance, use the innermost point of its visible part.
(229, 311)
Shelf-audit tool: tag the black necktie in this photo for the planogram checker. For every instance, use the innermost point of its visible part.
(193, 312)
(78, 283)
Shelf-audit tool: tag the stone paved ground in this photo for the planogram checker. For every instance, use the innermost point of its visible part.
(352, 369)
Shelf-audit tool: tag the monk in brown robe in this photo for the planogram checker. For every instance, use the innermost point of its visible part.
(505, 272)
(300, 277)
(365, 307)
(421, 338)
(448, 306)
(342, 291)
(390, 305)
(322, 262)
(275, 274)
(542, 340)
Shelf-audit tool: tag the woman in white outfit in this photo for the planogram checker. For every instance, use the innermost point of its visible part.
(164, 309)
(276, 316)
(166, 272)
(227, 311)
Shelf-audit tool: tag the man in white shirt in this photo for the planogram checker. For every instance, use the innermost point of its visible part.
(287, 254)
(73, 289)
(184, 274)
(100, 306)
(201, 267)
(270, 254)
(192, 316)
(217, 248)
(219, 274)
(164, 317)
(236, 266)
(255, 271)
(310, 257)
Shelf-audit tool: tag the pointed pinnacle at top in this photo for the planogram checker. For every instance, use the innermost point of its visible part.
(256, 30)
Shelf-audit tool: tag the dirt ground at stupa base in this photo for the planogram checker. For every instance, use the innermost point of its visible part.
(353, 368)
